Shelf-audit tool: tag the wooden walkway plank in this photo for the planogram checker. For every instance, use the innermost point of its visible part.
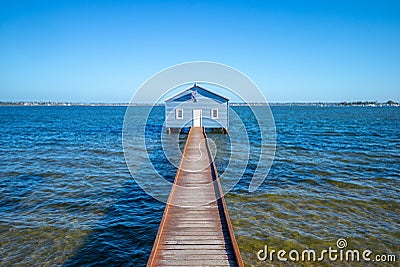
(195, 229)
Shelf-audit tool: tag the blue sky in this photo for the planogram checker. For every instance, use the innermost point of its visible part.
(102, 51)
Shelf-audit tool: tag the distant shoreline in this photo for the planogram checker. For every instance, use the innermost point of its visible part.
(289, 104)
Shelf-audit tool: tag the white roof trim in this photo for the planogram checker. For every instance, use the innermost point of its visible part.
(195, 85)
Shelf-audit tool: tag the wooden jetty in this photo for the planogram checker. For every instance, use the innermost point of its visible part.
(195, 229)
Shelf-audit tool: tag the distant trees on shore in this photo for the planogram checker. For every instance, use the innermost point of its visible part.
(369, 103)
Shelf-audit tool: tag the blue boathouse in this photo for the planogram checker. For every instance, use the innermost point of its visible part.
(196, 107)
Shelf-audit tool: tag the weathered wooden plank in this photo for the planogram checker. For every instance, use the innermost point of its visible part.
(193, 219)
(197, 237)
(198, 228)
(198, 213)
(192, 247)
(199, 252)
(200, 217)
(191, 232)
(212, 205)
(197, 225)
(195, 262)
(213, 224)
(218, 256)
(211, 221)
(196, 233)
(196, 242)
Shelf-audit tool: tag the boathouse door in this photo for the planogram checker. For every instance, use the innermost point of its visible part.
(196, 117)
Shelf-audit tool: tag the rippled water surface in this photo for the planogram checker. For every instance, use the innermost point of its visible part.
(67, 197)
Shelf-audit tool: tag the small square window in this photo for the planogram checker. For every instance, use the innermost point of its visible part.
(214, 113)
(179, 114)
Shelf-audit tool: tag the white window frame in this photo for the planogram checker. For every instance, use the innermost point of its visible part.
(212, 113)
(177, 114)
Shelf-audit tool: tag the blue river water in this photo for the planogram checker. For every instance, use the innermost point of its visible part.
(67, 197)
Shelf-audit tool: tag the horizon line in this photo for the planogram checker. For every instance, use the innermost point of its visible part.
(83, 103)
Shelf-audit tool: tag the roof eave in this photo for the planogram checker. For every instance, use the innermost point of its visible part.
(196, 85)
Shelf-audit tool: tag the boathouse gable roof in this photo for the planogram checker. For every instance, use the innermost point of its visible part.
(186, 95)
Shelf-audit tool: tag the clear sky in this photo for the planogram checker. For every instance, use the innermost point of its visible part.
(102, 51)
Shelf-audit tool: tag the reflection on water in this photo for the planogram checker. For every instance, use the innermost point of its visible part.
(67, 198)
